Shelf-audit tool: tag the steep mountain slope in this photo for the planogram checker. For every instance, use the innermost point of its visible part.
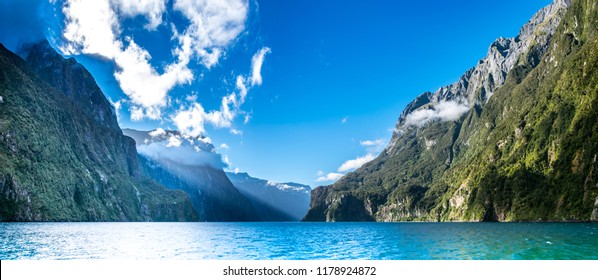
(62, 154)
(290, 199)
(514, 139)
(192, 165)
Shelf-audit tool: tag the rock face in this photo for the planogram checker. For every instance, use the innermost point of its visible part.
(71, 79)
(513, 140)
(289, 200)
(63, 156)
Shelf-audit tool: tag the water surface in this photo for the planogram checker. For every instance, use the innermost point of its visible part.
(299, 241)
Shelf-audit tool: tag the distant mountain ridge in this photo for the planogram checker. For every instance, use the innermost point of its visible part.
(63, 156)
(290, 198)
(513, 140)
(193, 165)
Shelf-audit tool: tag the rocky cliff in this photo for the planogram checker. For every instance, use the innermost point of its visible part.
(62, 155)
(513, 140)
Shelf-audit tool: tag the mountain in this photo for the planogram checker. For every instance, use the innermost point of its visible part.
(63, 156)
(291, 199)
(515, 139)
(192, 165)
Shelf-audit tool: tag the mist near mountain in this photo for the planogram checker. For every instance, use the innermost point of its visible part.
(292, 199)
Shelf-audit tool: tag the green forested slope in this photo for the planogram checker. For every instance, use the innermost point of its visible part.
(58, 163)
(529, 153)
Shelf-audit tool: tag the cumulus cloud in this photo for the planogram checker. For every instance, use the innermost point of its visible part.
(90, 28)
(213, 25)
(152, 10)
(442, 111)
(192, 120)
(159, 132)
(136, 113)
(330, 177)
(174, 141)
(94, 27)
(353, 164)
(256, 66)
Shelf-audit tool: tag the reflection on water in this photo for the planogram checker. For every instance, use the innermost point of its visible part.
(297, 241)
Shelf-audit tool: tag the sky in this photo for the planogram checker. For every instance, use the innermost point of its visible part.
(288, 91)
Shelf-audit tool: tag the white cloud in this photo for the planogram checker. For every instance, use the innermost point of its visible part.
(143, 84)
(184, 154)
(223, 146)
(117, 106)
(136, 113)
(330, 177)
(374, 146)
(191, 121)
(353, 164)
(174, 141)
(213, 24)
(369, 143)
(151, 9)
(89, 29)
(242, 89)
(443, 111)
(191, 97)
(225, 160)
(94, 27)
(256, 66)
(159, 132)
(205, 140)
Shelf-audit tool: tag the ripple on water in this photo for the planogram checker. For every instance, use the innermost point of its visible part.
(298, 241)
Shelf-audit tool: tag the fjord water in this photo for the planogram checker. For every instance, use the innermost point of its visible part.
(299, 241)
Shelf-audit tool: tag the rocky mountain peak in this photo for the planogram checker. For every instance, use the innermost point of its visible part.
(478, 84)
(71, 79)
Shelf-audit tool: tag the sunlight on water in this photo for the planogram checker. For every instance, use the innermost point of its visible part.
(297, 241)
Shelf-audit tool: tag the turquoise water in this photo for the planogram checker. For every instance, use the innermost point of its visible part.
(299, 241)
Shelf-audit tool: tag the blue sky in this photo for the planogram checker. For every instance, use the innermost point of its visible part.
(310, 88)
